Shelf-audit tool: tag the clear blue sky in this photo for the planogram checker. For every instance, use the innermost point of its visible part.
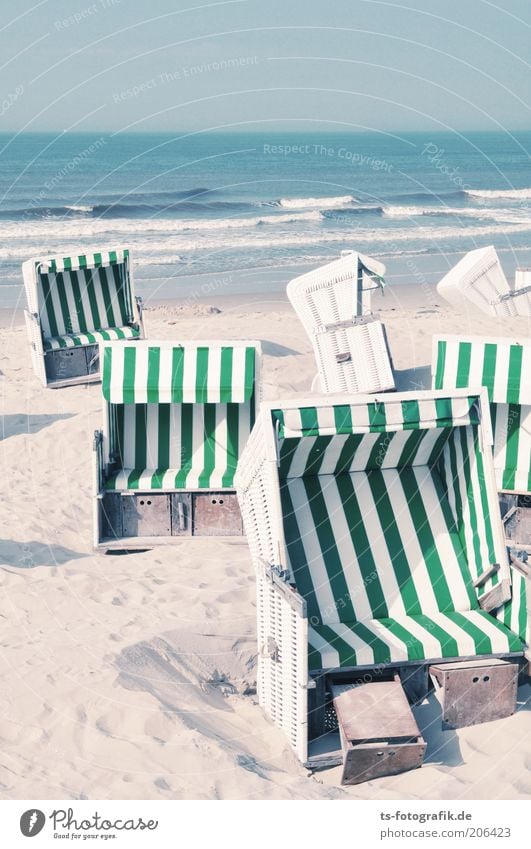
(171, 65)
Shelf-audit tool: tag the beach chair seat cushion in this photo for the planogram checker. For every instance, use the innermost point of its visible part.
(143, 480)
(409, 638)
(75, 340)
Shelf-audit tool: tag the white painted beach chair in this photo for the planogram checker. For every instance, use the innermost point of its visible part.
(478, 281)
(176, 419)
(374, 528)
(333, 303)
(74, 303)
(503, 367)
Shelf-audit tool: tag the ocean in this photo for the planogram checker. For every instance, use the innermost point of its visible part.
(233, 208)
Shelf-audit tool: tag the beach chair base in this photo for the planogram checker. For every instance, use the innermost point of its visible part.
(69, 366)
(143, 519)
(516, 515)
(476, 691)
(379, 734)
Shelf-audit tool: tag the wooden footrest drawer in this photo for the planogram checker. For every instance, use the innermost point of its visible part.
(475, 691)
(379, 734)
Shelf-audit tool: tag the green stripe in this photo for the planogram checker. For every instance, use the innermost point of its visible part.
(377, 419)
(187, 434)
(362, 546)
(348, 452)
(309, 421)
(226, 375)
(411, 448)
(177, 375)
(153, 373)
(410, 414)
(201, 376)
(61, 291)
(141, 436)
(209, 444)
(514, 378)
(288, 449)
(316, 455)
(470, 499)
(441, 364)
(514, 641)
(106, 373)
(89, 284)
(439, 446)
(128, 392)
(119, 300)
(379, 450)
(489, 368)
(511, 446)
(343, 419)
(394, 543)
(347, 655)
(297, 556)
(249, 372)
(329, 551)
(486, 516)
(463, 365)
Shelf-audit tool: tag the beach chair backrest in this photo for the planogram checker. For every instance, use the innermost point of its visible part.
(503, 367)
(187, 408)
(380, 506)
(80, 294)
(479, 278)
(336, 292)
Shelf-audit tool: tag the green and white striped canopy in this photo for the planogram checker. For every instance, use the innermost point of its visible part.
(193, 373)
(501, 365)
(504, 368)
(53, 265)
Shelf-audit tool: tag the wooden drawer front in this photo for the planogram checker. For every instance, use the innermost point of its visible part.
(216, 514)
(476, 691)
(146, 515)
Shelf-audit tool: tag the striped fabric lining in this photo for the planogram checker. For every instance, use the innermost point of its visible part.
(325, 455)
(144, 373)
(81, 339)
(76, 298)
(410, 638)
(505, 370)
(177, 446)
(514, 613)
(372, 545)
(376, 417)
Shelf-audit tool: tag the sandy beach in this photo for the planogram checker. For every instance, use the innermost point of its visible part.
(133, 676)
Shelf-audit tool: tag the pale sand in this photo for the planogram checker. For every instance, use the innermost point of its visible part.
(132, 676)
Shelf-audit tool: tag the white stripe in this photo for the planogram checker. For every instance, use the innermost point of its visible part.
(501, 374)
(198, 443)
(214, 375)
(361, 458)
(332, 454)
(116, 382)
(477, 358)
(500, 440)
(190, 375)
(300, 457)
(220, 457)
(397, 647)
(450, 365)
(238, 375)
(165, 374)
(95, 276)
(141, 376)
(500, 641)
(152, 434)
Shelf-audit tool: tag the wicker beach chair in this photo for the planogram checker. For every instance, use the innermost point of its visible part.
(478, 281)
(176, 419)
(374, 528)
(73, 304)
(503, 367)
(333, 303)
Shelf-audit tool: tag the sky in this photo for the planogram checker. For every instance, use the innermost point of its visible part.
(177, 65)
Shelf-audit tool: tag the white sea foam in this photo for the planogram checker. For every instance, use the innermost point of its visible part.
(316, 203)
(510, 194)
